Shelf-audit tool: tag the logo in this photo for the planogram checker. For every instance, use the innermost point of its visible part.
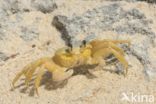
(132, 97)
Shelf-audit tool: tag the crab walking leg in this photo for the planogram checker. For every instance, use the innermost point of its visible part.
(38, 78)
(97, 56)
(24, 71)
(121, 59)
(107, 51)
(120, 41)
(114, 41)
(29, 75)
(112, 45)
(106, 45)
(29, 69)
(17, 77)
(33, 67)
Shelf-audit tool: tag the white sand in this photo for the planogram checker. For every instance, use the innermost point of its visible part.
(106, 88)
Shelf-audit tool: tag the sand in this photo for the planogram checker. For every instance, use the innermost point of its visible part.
(105, 87)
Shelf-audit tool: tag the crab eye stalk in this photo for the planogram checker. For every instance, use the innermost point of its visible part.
(83, 43)
(70, 48)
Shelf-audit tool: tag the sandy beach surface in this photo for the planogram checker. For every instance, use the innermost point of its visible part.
(28, 34)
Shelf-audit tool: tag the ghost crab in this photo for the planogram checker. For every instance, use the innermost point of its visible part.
(67, 58)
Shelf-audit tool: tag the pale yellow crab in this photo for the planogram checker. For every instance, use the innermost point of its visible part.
(68, 58)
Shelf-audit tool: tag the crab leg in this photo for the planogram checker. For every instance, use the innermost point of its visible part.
(29, 75)
(98, 44)
(106, 51)
(121, 41)
(33, 67)
(112, 45)
(121, 59)
(28, 70)
(114, 41)
(17, 77)
(38, 78)
(106, 45)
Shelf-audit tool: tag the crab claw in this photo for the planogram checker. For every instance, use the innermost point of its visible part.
(61, 75)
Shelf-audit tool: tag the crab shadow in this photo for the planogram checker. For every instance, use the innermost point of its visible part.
(84, 70)
(49, 84)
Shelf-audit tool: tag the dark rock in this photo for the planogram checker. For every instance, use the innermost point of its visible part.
(58, 23)
(149, 1)
(104, 18)
(15, 6)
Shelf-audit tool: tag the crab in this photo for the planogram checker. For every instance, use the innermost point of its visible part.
(65, 59)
